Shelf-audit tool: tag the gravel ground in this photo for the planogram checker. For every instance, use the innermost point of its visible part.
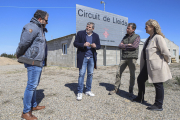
(58, 87)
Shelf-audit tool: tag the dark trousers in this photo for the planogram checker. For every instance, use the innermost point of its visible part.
(142, 78)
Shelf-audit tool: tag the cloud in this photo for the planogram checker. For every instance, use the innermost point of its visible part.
(143, 39)
(138, 31)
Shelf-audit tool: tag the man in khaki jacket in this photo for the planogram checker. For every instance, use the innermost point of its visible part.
(130, 49)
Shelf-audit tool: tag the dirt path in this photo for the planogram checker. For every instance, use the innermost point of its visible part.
(57, 91)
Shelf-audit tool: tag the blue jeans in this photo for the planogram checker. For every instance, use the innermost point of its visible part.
(89, 64)
(34, 74)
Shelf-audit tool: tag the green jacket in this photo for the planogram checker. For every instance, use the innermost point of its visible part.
(132, 54)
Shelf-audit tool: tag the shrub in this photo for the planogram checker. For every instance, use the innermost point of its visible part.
(8, 55)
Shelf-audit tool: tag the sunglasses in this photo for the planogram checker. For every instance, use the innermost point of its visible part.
(46, 21)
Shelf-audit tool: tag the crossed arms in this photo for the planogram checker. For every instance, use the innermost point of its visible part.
(130, 46)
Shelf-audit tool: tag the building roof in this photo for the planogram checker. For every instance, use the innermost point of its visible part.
(62, 37)
(171, 41)
(142, 40)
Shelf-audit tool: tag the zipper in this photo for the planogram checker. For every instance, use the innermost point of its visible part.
(44, 44)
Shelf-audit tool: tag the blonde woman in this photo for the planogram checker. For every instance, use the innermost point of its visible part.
(154, 67)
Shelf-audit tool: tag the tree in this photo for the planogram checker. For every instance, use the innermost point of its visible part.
(8, 55)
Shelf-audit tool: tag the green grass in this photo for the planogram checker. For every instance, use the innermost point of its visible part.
(177, 78)
(16, 71)
(167, 84)
(147, 84)
(5, 102)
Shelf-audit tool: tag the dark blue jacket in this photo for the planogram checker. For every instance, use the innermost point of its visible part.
(79, 43)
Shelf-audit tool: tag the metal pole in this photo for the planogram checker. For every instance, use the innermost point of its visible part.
(116, 56)
(104, 49)
(104, 6)
(104, 55)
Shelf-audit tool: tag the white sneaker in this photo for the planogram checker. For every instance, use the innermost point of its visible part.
(89, 93)
(79, 96)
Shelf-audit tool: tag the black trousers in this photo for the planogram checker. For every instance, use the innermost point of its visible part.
(142, 78)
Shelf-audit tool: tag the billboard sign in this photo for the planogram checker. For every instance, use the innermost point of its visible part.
(110, 27)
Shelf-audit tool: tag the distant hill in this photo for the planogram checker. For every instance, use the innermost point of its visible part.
(7, 61)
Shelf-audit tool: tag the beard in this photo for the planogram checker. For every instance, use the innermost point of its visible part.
(43, 25)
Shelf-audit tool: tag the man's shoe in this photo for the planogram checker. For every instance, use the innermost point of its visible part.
(79, 96)
(28, 116)
(89, 93)
(154, 108)
(31, 113)
(137, 99)
(113, 91)
(38, 108)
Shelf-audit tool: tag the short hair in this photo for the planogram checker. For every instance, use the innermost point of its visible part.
(157, 28)
(91, 23)
(40, 14)
(133, 25)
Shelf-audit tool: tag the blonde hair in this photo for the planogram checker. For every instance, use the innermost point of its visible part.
(157, 28)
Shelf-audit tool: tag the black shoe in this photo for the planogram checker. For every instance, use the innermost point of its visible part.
(137, 99)
(131, 93)
(154, 108)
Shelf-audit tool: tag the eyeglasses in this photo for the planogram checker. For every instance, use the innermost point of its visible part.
(88, 27)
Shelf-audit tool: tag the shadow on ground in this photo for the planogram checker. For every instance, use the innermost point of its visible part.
(73, 87)
(108, 86)
(121, 93)
(39, 95)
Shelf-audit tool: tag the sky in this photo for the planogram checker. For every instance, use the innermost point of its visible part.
(14, 14)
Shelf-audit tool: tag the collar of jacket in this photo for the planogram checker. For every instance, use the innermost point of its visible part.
(152, 36)
(130, 35)
(86, 33)
(45, 30)
(35, 21)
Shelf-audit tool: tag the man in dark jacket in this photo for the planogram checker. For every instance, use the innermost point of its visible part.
(87, 43)
(32, 52)
(130, 50)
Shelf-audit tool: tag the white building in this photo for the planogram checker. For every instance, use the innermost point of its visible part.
(61, 52)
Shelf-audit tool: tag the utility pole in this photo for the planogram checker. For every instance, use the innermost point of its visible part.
(104, 4)
(104, 49)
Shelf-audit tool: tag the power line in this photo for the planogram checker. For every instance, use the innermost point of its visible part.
(33, 7)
